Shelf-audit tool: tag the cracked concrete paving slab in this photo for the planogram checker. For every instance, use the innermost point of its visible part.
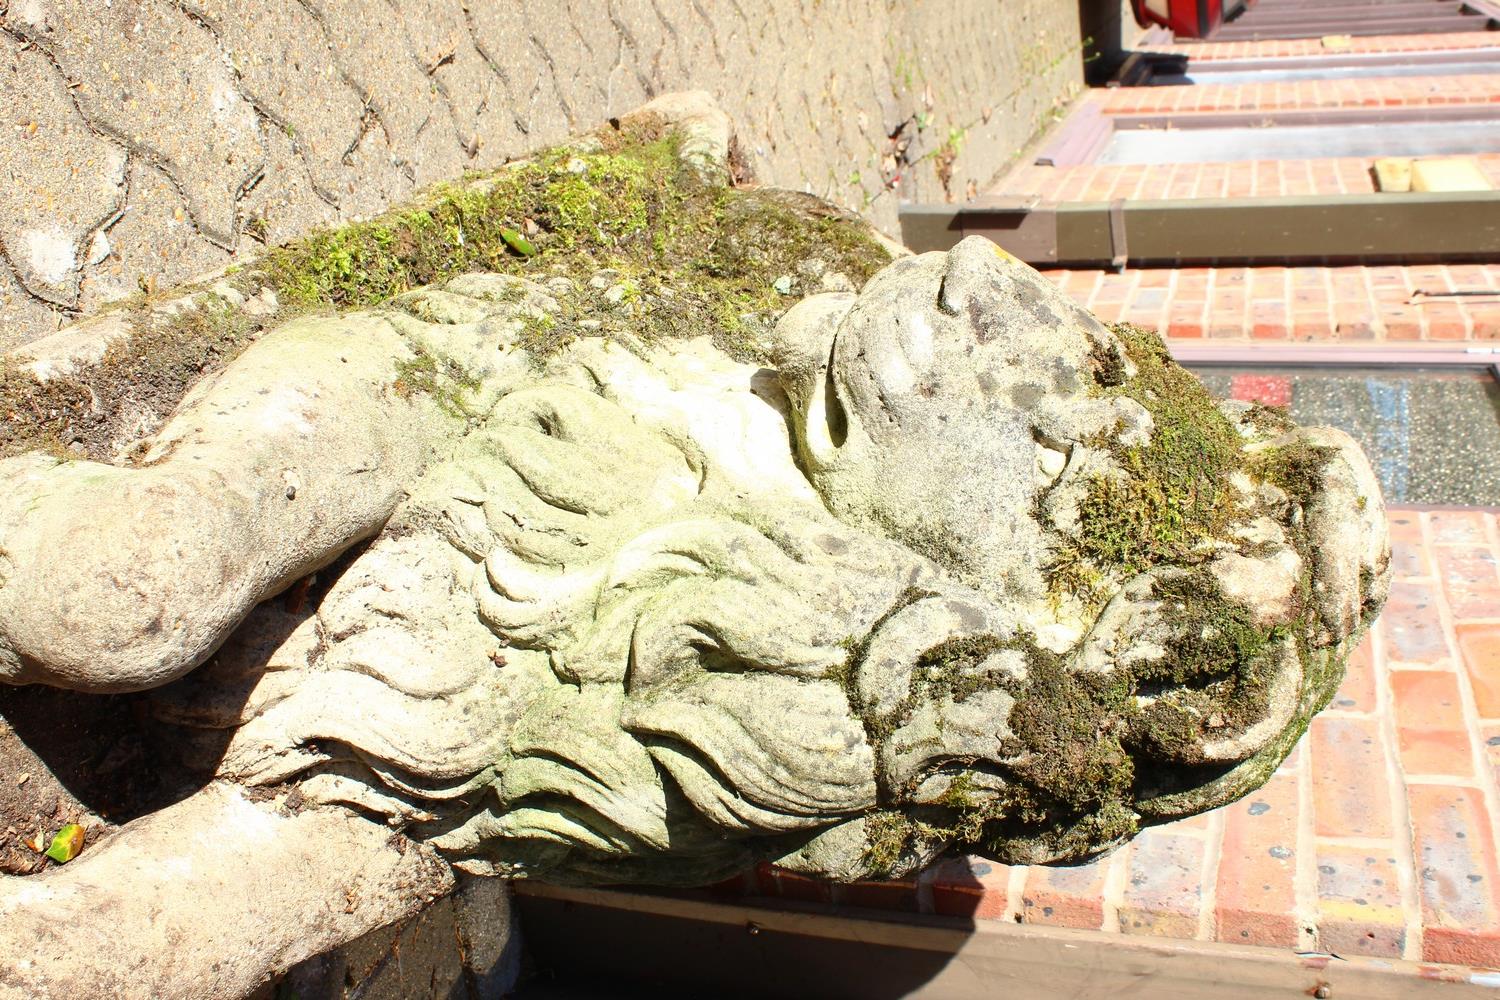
(372, 51)
(59, 182)
(814, 86)
(478, 100)
(657, 66)
(147, 74)
(377, 184)
(23, 317)
(286, 68)
(152, 245)
(502, 33)
(571, 63)
(284, 204)
(601, 49)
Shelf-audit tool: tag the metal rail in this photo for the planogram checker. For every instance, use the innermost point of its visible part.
(1416, 227)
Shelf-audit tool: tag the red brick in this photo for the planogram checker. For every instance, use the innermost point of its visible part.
(1357, 692)
(1064, 896)
(1359, 902)
(877, 895)
(1272, 390)
(1409, 553)
(1479, 648)
(1256, 892)
(1411, 626)
(1457, 527)
(1113, 288)
(1430, 724)
(1490, 741)
(1196, 822)
(1349, 778)
(1485, 321)
(1457, 877)
(790, 885)
(1401, 323)
(1268, 321)
(970, 887)
(1164, 890)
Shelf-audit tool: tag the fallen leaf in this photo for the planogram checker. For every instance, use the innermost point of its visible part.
(66, 844)
(517, 242)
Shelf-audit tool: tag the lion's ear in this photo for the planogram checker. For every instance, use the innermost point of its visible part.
(1000, 298)
(802, 353)
(803, 341)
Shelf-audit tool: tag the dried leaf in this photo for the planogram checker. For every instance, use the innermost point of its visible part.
(66, 844)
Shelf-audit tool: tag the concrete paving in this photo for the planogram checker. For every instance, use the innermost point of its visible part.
(144, 141)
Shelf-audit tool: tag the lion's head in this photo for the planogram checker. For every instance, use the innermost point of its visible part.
(964, 570)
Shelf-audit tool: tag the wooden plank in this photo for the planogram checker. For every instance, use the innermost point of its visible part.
(731, 949)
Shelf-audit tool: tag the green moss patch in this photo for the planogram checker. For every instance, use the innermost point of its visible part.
(1175, 493)
(685, 257)
(1092, 756)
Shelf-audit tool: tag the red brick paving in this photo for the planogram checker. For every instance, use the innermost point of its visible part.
(1359, 901)
(1065, 897)
(1352, 798)
(1479, 646)
(1303, 95)
(1245, 179)
(1164, 884)
(1430, 731)
(1257, 898)
(1352, 304)
(1457, 875)
(1316, 46)
(970, 887)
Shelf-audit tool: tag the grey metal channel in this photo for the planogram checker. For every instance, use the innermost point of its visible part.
(1299, 142)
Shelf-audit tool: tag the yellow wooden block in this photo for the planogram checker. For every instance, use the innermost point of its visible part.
(1449, 173)
(1393, 174)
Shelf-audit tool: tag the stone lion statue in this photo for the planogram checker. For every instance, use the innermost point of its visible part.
(948, 566)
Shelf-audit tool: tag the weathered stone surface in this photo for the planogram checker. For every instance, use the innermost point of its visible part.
(466, 945)
(183, 113)
(286, 68)
(62, 182)
(337, 876)
(941, 564)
